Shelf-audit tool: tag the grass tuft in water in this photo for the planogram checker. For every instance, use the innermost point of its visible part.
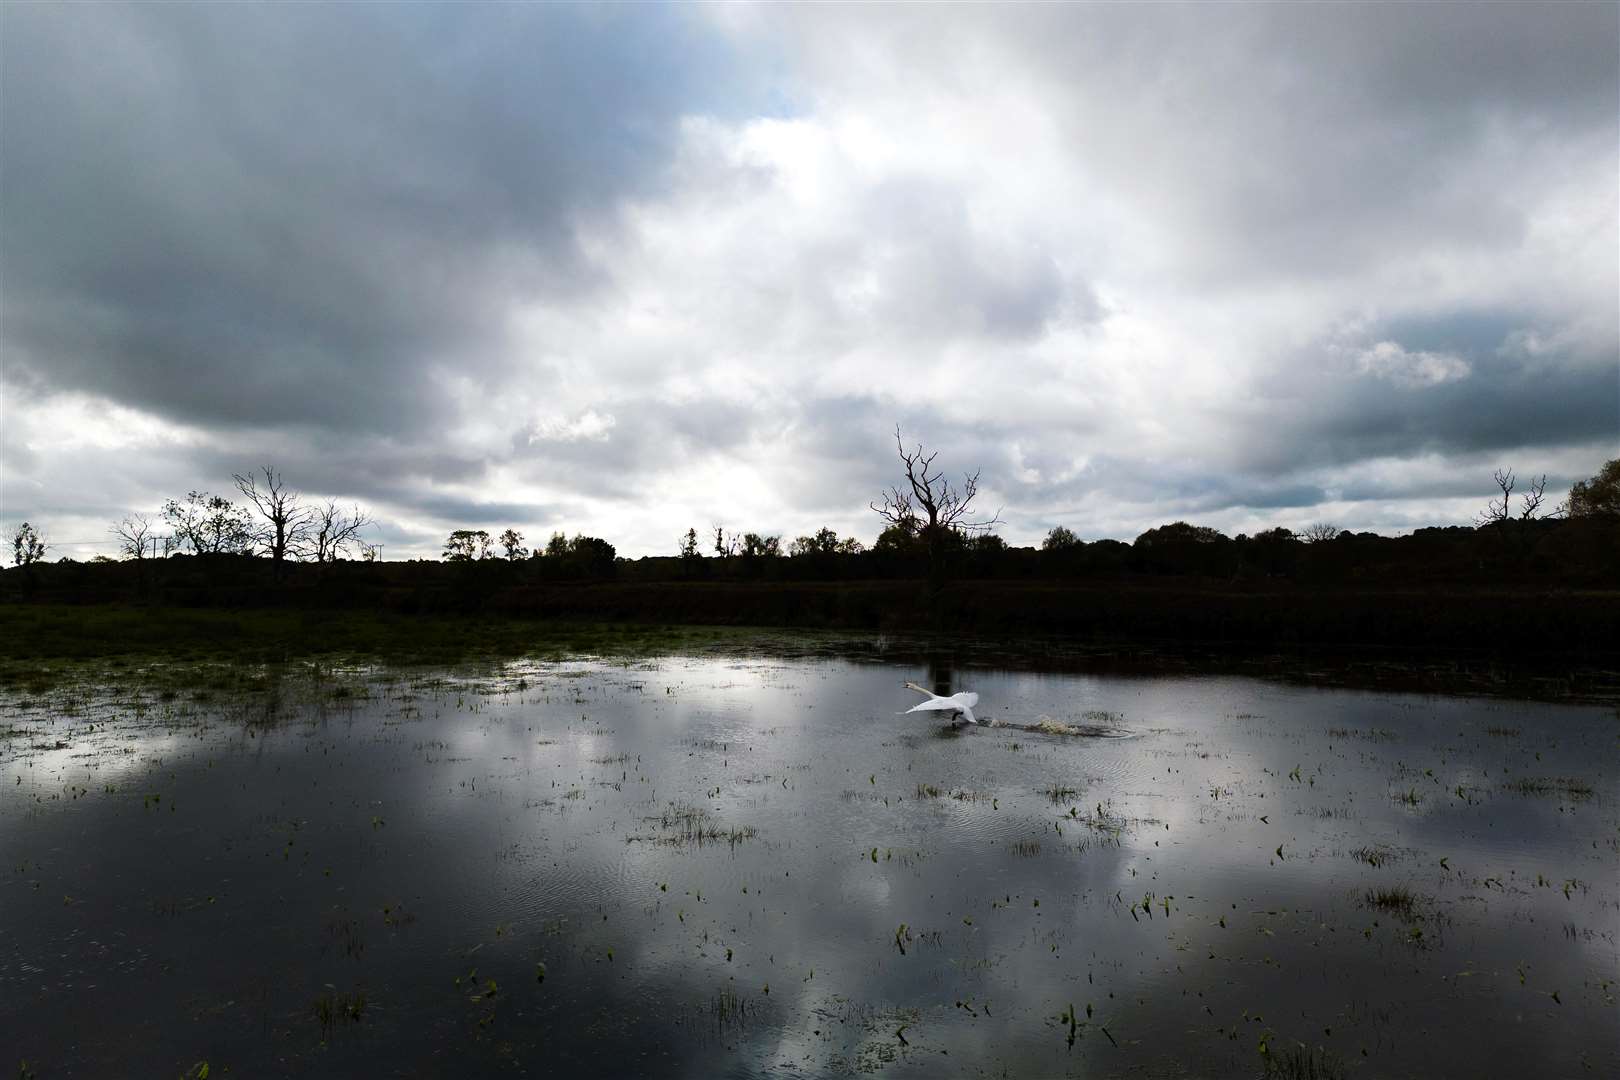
(1397, 900)
(334, 1008)
(1301, 1062)
(1551, 785)
(1372, 856)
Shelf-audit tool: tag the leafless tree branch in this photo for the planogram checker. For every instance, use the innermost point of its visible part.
(1499, 510)
(1319, 532)
(137, 537)
(927, 501)
(1532, 499)
(286, 523)
(1496, 511)
(333, 531)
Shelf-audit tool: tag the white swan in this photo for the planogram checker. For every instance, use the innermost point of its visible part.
(957, 704)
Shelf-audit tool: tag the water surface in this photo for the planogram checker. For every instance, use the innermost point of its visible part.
(755, 868)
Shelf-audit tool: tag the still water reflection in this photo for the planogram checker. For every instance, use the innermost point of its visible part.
(749, 868)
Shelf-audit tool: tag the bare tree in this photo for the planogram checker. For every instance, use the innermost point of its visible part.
(138, 537)
(1499, 511)
(1531, 500)
(332, 531)
(1318, 533)
(927, 504)
(285, 521)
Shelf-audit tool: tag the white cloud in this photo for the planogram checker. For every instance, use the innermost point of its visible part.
(1387, 360)
(588, 426)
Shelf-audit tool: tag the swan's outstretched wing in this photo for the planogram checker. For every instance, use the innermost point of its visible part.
(957, 703)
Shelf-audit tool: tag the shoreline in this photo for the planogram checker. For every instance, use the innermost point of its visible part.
(36, 639)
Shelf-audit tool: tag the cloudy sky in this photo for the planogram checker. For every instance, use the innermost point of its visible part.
(624, 270)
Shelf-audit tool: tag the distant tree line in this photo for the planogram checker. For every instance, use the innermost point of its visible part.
(930, 532)
(576, 557)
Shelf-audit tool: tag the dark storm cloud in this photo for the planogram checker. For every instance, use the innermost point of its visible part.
(1321, 409)
(471, 513)
(315, 214)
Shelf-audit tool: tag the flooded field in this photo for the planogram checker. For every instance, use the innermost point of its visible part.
(752, 867)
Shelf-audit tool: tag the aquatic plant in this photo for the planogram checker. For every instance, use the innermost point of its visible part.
(1300, 1062)
(1395, 899)
(332, 1008)
(1551, 785)
(1374, 857)
(730, 1009)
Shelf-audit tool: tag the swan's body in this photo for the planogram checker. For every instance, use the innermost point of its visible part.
(957, 704)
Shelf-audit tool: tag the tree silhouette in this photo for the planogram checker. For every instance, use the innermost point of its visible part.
(926, 505)
(755, 546)
(466, 545)
(1318, 532)
(1060, 539)
(1598, 497)
(209, 524)
(284, 522)
(333, 531)
(1499, 510)
(27, 546)
(511, 542)
(137, 537)
(825, 541)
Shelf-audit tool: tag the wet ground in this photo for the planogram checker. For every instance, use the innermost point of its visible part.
(750, 867)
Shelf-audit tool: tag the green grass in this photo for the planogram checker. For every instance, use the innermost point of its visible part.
(41, 643)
